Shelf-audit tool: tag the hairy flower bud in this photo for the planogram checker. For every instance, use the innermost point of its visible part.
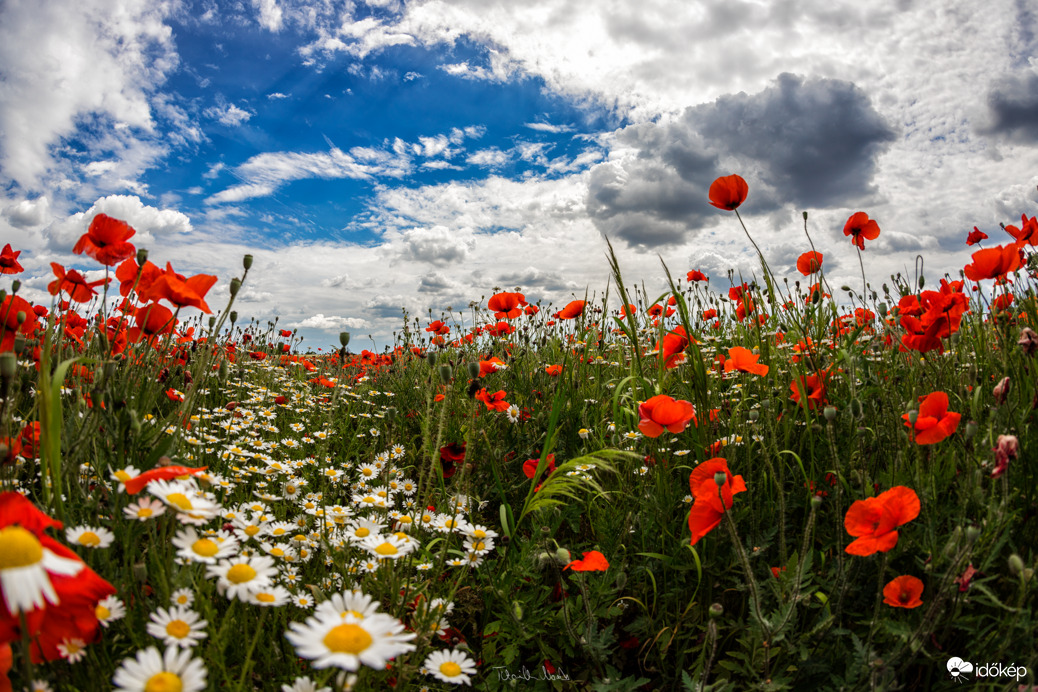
(1001, 390)
(1016, 565)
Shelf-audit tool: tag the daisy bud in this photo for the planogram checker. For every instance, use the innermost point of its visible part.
(830, 413)
(235, 286)
(716, 611)
(246, 262)
(473, 369)
(15, 285)
(445, 373)
(1016, 565)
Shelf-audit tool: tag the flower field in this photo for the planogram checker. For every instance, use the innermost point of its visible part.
(774, 484)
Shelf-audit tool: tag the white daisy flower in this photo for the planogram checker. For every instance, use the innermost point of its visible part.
(270, 596)
(144, 509)
(389, 547)
(243, 574)
(172, 670)
(124, 474)
(355, 603)
(190, 505)
(304, 685)
(183, 597)
(206, 548)
(72, 650)
(349, 642)
(303, 600)
(89, 536)
(450, 666)
(24, 567)
(177, 626)
(109, 609)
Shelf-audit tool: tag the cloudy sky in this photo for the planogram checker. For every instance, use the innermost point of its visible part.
(376, 155)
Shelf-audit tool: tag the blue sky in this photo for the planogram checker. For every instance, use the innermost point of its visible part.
(378, 154)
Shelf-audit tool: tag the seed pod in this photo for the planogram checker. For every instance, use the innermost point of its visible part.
(235, 286)
(445, 373)
(344, 338)
(246, 262)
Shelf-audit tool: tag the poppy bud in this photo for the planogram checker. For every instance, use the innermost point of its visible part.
(830, 413)
(445, 373)
(1016, 565)
(224, 369)
(754, 415)
(922, 281)
(1001, 390)
(109, 369)
(883, 310)
(246, 262)
(235, 286)
(856, 408)
(20, 317)
(233, 316)
(20, 344)
(563, 556)
(8, 365)
(912, 416)
(845, 288)
(142, 256)
(972, 534)
(212, 321)
(816, 501)
(15, 285)
(953, 543)
(805, 216)
(344, 338)
(971, 429)
(473, 368)
(716, 611)
(1028, 341)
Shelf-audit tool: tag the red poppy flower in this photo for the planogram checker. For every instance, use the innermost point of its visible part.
(9, 260)
(105, 241)
(30, 440)
(495, 401)
(696, 275)
(874, 521)
(593, 561)
(809, 263)
(1028, 231)
(507, 305)
(628, 309)
(903, 592)
(151, 321)
(934, 421)
(662, 412)
(73, 283)
(10, 308)
(530, 466)
(450, 456)
(180, 292)
(709, 314)
(861, 228)
(531, 310)
(285, 333)
(673, 349)
(711, 500)
(810, 387)
(438, 327)
(975, 236)
(994, 263)
(744, 360)
(127, 272)
(499, 329)
(553, 370)
(574, 309)
(491, 365)
(162, 473)
(728, 192)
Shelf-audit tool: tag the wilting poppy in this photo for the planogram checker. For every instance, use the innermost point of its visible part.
(744, 360)
(861, 228)
(662, 412)
(934, 421)
(903, 592)
(728, 192)
(874, 521)
(593, 561)
(975, 236)
(809, 262)
(574, 309)
(507, 305)
(711, 500)
(994, 263)
(73, 283)
(9, 260)
(105, 241)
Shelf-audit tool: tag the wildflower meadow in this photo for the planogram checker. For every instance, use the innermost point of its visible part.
(774, 484)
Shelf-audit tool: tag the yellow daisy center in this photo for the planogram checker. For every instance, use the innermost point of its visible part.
(277, 532)
(205, 547)
(178, 629)
(362, 532)
(145, 512)
(101, 612)
(164, 682)
(386, 548)
(450, 669)
(239, 574)
(18, 548)
(479, 545)
(347, 639)
(122, 476)
(180, 500)
(265, 597)
(90, 538)
(479, 533)
(277, 552)
(251, 531)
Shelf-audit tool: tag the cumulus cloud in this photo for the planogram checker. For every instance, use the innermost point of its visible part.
(331, 323)
(229, 115)
(437, 245)
(811, 142)
(27, 213)
(149, 222)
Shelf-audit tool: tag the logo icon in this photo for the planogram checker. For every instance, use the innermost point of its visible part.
(958, 668)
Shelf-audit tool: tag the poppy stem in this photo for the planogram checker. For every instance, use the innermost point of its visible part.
(864, 285)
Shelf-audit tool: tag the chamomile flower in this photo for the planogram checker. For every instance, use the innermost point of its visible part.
(479, 531)
(479, 545)
(177, 626)
(304, 685)
(304, 601)
(356, 603)
(206, 548)
(389, 547)
(124, 474)
(424, 566)
(144, 509)
(25, 569)
(89, 536)
(173, 670)
(270, 597)
(184, 498)
(349, 642)
(450, 666)
(513, 413)
(72, 650)
(109, 609)
(239, 576)
(182, 597)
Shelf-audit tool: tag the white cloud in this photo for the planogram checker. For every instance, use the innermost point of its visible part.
(548, 127)
(230, 115)
(489, 158)
(270, 16)
(149, 222)
(276, 96)
(27, 213)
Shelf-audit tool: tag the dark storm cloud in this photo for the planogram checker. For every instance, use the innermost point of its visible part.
(812, 143)
(1013, 106)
